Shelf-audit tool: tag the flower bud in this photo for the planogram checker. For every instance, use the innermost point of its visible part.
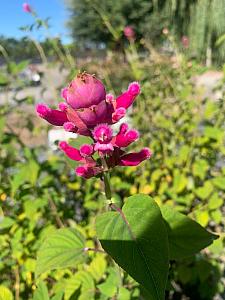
(84, 91)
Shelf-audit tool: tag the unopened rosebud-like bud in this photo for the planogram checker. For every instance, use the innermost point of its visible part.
(165, 31)
(27, 8)
(84, 91)
(185, 41)
(129, 32)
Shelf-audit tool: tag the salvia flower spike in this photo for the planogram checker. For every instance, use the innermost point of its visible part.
(89, 111)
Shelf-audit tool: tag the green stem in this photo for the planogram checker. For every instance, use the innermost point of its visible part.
(106, 180)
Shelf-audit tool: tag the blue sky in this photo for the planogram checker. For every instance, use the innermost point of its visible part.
(12, 17)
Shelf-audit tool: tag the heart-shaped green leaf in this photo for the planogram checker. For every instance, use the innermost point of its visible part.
(62, 249)
(186, 237)
(136, 238)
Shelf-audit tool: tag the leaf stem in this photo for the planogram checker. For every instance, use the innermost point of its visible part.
(94, 249)
(119, 210)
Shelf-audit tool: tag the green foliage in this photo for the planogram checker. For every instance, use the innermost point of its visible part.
(185, 236)
(136, 239)
(94, 23)
(62, 249)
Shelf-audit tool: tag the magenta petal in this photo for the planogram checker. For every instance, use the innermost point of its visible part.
(101, 113)
(62, 106)
(79, 126)
(134, 159)
(125, 139)
(134, 88)
(86, 150)
(118, 114)
(71, 152)
(86, 171)
(127, 98)
(104, 148)
(53, 116)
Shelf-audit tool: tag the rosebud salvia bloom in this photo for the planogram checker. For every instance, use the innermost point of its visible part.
(89, 111)
(185, 41)
(27, 8)
(129, 32)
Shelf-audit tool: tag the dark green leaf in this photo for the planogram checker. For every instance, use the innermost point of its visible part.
(137, 241)
(186, 237)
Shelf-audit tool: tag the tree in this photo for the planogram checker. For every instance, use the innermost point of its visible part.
(94, 22)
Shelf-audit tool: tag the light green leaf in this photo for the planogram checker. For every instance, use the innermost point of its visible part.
(136, 238)
(63, 249)
(204, 191)
(200, 167)
(186, 237)
(110, 285)
(124, 294)
(58, 296)
(41, 293)
(215, 201)
(5, 293)
(219, 182)
(6, 222)
(97, 267)
(202, 217)
(81, 284)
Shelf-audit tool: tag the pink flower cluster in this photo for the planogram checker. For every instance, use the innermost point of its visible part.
(129, 32)
(27, 8)
(89, 111)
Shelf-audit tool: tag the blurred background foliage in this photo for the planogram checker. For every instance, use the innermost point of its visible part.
(181, 120)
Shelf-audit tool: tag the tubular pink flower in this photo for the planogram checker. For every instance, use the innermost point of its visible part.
(127, 98)
(103, 148)
(62, 106)
(70, 152)
(118, 114)
(185, 41)
(53, 116)
(81, 171)
(129, 32)
(86, 150)
(134, 88)
(27, 8)
(125, 138)
(102, 133)
(84, 91)
(134, 159)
